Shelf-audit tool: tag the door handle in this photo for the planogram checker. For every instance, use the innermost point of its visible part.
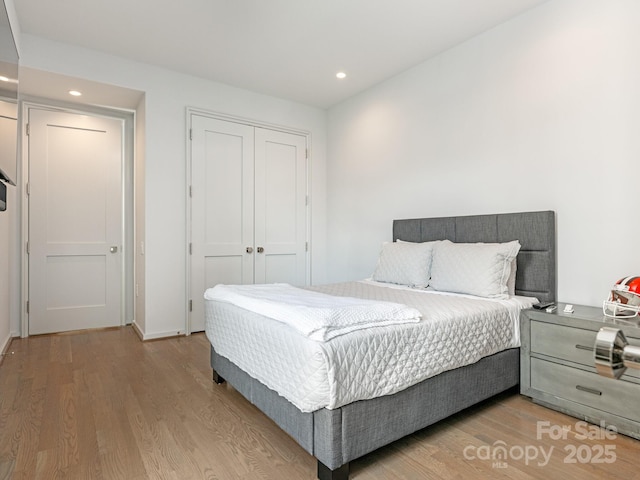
(260, 249)
(249, 249)
(113, 249)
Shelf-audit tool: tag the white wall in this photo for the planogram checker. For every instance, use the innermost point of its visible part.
(13, 22)
(6, 224)
(167, 94)
(5, 321)
(9, 278)
(542, 112)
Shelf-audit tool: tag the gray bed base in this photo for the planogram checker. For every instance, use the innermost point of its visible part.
(336, 437)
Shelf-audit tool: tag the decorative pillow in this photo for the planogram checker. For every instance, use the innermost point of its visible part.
(405, 263)
(480, 269)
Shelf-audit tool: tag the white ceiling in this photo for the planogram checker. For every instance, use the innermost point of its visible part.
(286, 48)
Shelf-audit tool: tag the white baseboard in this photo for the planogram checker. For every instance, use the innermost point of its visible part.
(6, 343)
(157, 335)
(137, 330)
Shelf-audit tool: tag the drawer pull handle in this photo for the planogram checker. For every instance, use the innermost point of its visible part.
(584, 347)
(613, 354)
(588, 390)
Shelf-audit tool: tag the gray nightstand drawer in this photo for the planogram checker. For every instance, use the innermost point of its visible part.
(615, 396)
(567, 343)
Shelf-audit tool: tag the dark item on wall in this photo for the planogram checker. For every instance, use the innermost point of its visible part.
(3, 197)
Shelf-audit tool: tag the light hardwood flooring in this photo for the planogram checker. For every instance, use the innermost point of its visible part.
(104, 405)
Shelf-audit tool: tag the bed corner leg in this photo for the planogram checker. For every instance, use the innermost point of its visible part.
(217, 378)
(340, 473)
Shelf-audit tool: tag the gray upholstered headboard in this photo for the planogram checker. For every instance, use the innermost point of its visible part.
(536, 231)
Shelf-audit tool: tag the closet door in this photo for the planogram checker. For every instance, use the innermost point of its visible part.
(248, 208)
(222, 218)
(280, 207)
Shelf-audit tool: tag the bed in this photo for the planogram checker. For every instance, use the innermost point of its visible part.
(345, 430)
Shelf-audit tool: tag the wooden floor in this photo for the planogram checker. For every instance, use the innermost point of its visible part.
(104, 405)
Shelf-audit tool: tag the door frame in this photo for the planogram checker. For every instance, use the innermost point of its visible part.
(190, 111)
(127, 289)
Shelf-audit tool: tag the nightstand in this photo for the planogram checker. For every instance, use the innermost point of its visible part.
(557, 367)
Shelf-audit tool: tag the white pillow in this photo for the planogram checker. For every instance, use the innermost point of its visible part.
(511, 281)
(480, 269)
(405, 263)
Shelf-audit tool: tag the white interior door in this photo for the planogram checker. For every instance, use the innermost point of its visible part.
(75, 221)
(280, 207)
(248, 208)
(222, 189)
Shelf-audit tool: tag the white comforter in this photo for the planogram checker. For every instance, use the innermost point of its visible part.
(314, 314)
(455, 330)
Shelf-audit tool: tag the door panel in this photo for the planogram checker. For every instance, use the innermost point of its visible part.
(280, 268)
(223, 269)
(280, 207)
(221, 208)
(75, 221)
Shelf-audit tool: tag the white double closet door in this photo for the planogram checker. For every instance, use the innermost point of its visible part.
(248, 208)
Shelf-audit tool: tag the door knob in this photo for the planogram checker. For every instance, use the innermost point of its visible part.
(260, 249)
(249, 249)
(113, 249)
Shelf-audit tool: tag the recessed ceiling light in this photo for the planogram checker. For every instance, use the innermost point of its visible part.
(75, 93)
(3, 78)
(341, 75)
